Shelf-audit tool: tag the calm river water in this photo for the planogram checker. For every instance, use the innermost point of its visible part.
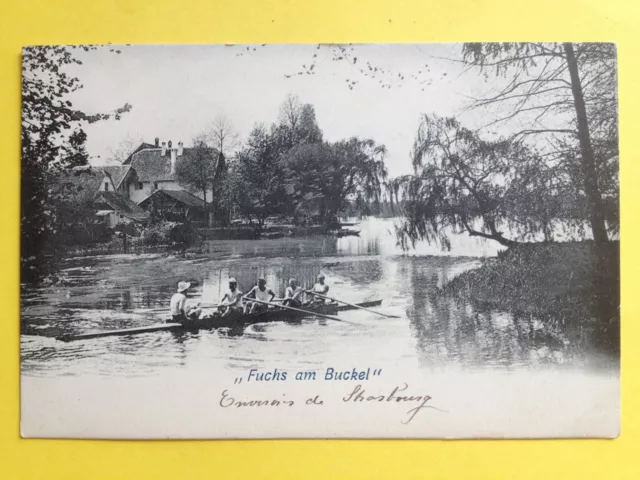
(118, 291)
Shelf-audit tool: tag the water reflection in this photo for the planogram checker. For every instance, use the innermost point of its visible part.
(451, 331)
(434, 332)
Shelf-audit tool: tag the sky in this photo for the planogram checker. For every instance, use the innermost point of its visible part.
(176, 91)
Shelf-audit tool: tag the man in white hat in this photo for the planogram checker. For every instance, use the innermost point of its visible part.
(178, 305)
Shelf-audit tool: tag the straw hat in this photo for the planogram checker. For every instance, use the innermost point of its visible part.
(182, 286)
(233, 280)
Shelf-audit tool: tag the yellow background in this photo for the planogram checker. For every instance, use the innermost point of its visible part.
(24, 22)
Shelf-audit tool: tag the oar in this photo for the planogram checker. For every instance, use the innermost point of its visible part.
(213, 305)
(286, 307)
(202, 305)
(159, 309)
(351, 304)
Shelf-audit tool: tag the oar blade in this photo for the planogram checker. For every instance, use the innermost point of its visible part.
(353, 305)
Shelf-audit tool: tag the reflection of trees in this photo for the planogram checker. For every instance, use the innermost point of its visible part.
(360, 272)
(455, 331)
(373, 246)
(352, 245)
(276, 275)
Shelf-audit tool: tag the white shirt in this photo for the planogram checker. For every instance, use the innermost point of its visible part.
(177, 304)
(264, 295)
(291, 293)
(321, 288)
(234, 298)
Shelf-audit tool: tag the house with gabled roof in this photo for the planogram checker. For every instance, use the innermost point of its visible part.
(103, 188)
(174, 205)
(146, 182)
(154, 168)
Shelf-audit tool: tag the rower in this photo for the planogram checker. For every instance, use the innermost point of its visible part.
(292, 297)
(259, 292)
(321, 288)
(233, 298)
(180, 311)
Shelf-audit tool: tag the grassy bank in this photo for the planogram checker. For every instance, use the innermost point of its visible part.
(556, 282)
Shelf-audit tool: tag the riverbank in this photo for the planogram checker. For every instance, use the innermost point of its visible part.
(247, 232)
(555, 282)
(156, 239)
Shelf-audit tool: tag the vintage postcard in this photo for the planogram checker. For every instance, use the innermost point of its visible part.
(320, 241)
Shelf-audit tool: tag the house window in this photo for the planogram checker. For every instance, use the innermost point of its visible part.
(106, 186)
(155, 185)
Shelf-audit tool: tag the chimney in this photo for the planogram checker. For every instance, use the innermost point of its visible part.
(173, 151)
(157, 142)
(164, 149)
(180, 148)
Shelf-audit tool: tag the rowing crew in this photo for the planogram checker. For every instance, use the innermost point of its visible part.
(258, 299)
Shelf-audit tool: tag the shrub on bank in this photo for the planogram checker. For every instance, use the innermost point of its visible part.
(168, 233)
(553, 281)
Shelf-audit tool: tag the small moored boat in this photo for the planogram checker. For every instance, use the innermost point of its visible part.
(347, 233)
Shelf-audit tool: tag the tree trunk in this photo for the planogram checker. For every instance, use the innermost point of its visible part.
(204, 206)
(592, 191)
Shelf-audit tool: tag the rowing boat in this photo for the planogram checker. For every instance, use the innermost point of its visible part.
(231, 321)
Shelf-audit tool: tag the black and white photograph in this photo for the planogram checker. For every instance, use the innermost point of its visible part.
(320, 241)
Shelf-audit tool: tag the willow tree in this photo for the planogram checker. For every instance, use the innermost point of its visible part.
(567, 92)
(464, 183)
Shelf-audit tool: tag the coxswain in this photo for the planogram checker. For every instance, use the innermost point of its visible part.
(293, 294)
(233, 299)
(262, 293)
(180, 311)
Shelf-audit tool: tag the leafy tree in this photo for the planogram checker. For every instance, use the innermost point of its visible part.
(288, 170)
(306, 171)
(48, 119)
(296, 125)
(74, 205)
(309, 132)
(323, 178)
(200, 168)
(258, 171)
(257, 178)
(75, 152)
(561, 90)
(463, 183)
